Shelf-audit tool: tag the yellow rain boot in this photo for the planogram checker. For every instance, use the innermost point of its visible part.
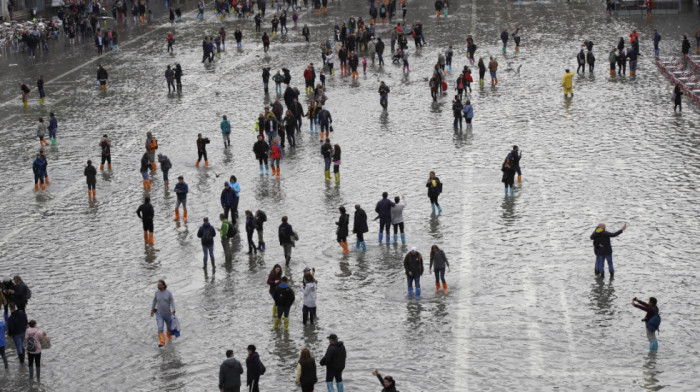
(36, 187)
(276, 324)
(337, 178)
(167, 334)
(161, 340)
(437, 288)
(184, 216)
(26, 105)
(278, 172)
(150, 239)
(444, 288)
(327, 174)
(274, 310)
(177, 215)
(286, 323)
(46, 180)
(102, 166)
(41, 101)
(145, 236)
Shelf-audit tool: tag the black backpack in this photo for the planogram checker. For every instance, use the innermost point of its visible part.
(261, 216)
(31, 345)
(206, 236)
(231, 231)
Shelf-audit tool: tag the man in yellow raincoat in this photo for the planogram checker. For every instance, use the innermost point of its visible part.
(568, 83)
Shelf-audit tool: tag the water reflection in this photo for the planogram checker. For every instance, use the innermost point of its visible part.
(603, 296)
(650, 373)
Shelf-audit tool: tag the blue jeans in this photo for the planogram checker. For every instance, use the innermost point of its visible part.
(600, 263)
(327, 161)
(19, 342)
(413, 278)
(160, 319)
(210, 249)
(440, 275)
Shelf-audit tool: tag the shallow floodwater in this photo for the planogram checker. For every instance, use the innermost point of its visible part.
(525, 310)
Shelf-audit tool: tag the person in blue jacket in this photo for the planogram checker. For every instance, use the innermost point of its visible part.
(3, 343)
(603, 249)
(468, 112)
(207, 233)
(53, 127)
(383, 208)
(226, 131)
(233, 182)
(39, 169)
(228, 199)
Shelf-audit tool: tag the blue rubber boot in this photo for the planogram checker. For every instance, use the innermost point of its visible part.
(267, 169)
(261, 170)
(417, 292)
(396, 238)
(653, 346)
(364, 246)
(329, 385)
(433, 205)
(387, 239)
(439, 210)
(409, 293)
(357, 244)
(511, 191)
(381, 235)
(340, 387)
(403, 238)
(506, 191)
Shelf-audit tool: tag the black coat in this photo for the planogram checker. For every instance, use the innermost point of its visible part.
(413, 263)
(308, 373)
(253, 367)
(285, 233)
(335, 356)
(260, 148)
(343, 223)
(284, 296)
(359, 225)
(601, 242)
(508, 174)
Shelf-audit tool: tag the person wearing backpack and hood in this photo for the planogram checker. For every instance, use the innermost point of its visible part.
(254, 369)
(434, 190)
(603, 250)
(165, 166)
(207, 233)
(652, 320)
(227, 230)
(32, 341)
(230, 374)
(284, 298)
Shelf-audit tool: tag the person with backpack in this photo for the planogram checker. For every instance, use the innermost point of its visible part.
(106, 156)
(163, 308)
(515, 155)
(227, 230)
(334, 361)
(91, 177)
(652, 320)
(508, 177)
(230, 374)
(260, 149)
(165, 166)
(16, 329)
(603, 250)
(33, 340)
(254, 369)
(434, 190)
(39, 170)
(284, 298)
(207, 233)
(306, 371)
(181, 189)
(228, 198)
(286, 236)
(457, 107)
(260, 219)
(145, 213)
(468, 112)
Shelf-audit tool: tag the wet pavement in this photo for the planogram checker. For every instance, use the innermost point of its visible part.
(525, 310)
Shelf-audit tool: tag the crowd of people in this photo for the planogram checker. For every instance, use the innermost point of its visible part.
(278, 123)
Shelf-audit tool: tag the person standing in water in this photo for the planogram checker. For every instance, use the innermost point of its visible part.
(493, 68)
(53, 127)
(145, 213)
(286, 235)
(603, 249)
(207, 233)
(249, 230)
(226, 131)
(284, 298)
(438, 261)
(163, 308)
(181, 190)
(202, 149)
(91, 176)
(652, 320)
(383, 208)
(515, 156)
(434, 190)
(508, 177)
(482, 71)
(397, 218)
(413, 266)
(342, 231)
(567, 82)
(359, 227)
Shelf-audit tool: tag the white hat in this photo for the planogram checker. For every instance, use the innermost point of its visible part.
(6, 278)
(413, 249)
